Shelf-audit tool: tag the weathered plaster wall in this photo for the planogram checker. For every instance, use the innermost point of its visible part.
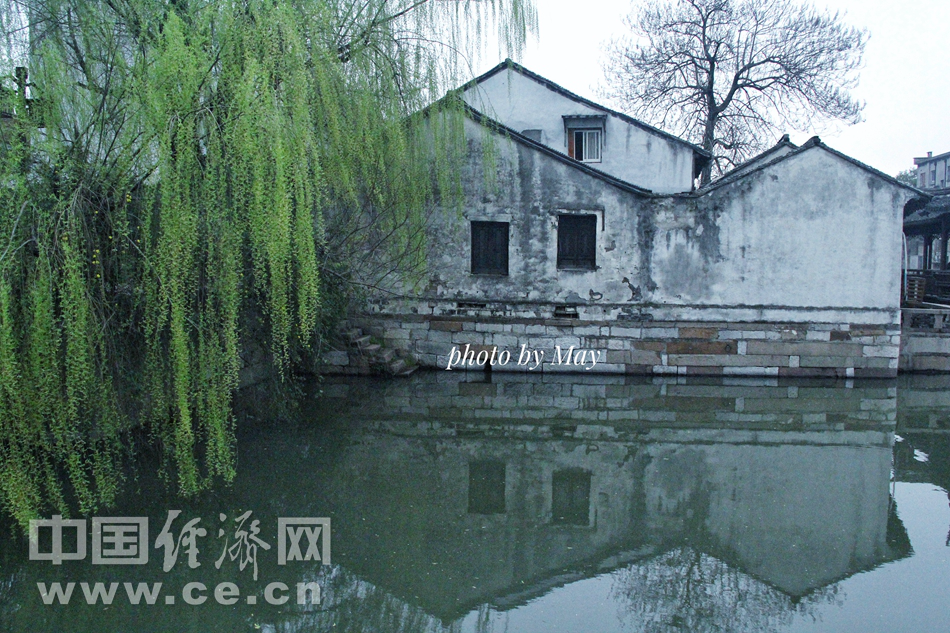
(811, 239)
(530, 190)
(631, 153)
(810, 232)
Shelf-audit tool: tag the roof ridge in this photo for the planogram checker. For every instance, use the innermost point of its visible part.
(784, 141)
(814, 141)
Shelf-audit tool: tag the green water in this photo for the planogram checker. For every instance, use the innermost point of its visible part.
(555, 503)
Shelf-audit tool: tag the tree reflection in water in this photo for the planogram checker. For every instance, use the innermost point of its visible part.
(685, 589)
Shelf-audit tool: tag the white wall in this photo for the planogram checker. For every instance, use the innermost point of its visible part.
(813, 231)
(631, 153)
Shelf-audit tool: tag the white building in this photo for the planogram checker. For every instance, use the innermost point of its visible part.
(593, 215)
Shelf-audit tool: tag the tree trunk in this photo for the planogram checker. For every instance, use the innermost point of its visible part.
(709, 141)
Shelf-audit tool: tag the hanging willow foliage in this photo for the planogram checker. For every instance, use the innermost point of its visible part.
(180, 179)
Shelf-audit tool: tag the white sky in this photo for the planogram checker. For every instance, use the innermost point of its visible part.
(905, 81)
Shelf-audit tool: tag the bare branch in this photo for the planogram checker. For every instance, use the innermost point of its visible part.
(727, 73)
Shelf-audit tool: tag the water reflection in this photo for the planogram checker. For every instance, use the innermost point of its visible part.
(737, 506)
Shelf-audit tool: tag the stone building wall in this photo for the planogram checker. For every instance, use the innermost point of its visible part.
(652, 347)
(923, 351)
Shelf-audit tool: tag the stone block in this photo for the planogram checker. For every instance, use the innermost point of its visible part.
(594, 342)
(803, 349)
(792, 334)
(869, 372)
(826, 361)
(726, 360)
(931, 362)
(701, 347)
(437, 336)
(638, 370)
(489, 327)
(741, 334)
(750, 371)
(566, 342)
(867, 330)
(643, 357)
(704, 371)
(506, 341)
(885, 351)
(336, 358)
(477, 389)
(660, 332)
(807, 372)
(587, 330)
(698, 332)
(626, 332)
(445, 326)
(618, 356)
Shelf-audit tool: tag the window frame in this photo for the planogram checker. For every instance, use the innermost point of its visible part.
(586, 132)
(578, 261)
(482, 262)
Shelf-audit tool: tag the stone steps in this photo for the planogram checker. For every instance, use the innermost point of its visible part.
(375, 357)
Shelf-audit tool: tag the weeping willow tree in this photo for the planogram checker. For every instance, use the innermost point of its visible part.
(182, 177)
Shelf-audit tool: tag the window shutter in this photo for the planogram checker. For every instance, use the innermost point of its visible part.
(490, 248)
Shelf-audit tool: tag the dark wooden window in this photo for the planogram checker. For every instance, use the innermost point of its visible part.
(489, 248)
(577, 242)
(486, 487)
(570, 497)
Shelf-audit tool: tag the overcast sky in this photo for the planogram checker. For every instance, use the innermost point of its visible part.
(905, 81)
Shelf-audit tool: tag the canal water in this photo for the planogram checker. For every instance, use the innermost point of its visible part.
(522, 503)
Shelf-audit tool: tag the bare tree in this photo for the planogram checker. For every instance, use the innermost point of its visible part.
(727, 74)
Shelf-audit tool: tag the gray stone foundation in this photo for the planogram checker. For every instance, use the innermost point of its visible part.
(654, 347)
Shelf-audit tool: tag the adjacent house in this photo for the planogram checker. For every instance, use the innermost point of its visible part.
(591, 233)
(932, 171)
(927, 229)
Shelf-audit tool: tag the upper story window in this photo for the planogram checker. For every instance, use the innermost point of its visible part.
(585, 137)
(584, 145)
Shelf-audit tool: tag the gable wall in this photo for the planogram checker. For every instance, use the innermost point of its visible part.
(530, 191)
(813, 231)
(631, 153)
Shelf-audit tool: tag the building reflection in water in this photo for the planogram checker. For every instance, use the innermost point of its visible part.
(730, 505)
(727, 506)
